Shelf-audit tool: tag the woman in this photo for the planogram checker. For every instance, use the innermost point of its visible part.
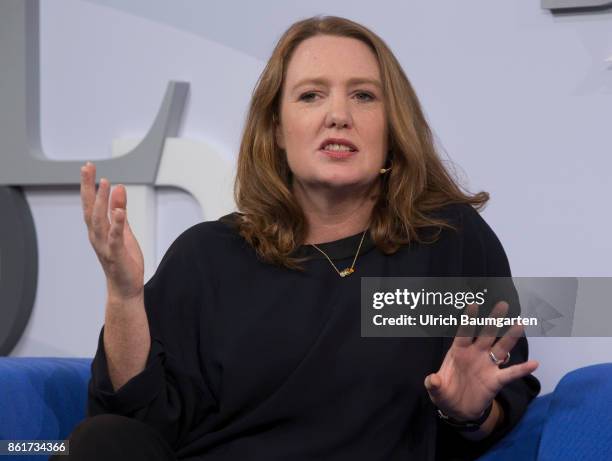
(246, 342)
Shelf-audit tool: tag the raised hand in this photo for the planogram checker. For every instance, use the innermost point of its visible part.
(468, 379)
(112, 239)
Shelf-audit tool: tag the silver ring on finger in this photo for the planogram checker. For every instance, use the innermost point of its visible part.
(498, 362)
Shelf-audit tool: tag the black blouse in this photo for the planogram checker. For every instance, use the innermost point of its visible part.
(253, 361)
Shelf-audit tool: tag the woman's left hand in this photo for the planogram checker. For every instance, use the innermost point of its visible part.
(468, 380)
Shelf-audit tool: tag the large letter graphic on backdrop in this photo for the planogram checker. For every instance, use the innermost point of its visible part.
(576, 4)
(22, 161)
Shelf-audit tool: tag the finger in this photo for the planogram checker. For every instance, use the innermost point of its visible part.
(115, 238)
(118, 197)
(99, 217)
(507, 375)
(465, 333)
(487, 335)
(88, 191)
(508, 341)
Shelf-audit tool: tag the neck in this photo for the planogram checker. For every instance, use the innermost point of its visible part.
(335, 214)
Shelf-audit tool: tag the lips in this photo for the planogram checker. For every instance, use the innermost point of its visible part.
(344, 142)
(338, 154)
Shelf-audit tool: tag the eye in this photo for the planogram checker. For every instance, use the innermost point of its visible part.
(364, 96)
(308, 97)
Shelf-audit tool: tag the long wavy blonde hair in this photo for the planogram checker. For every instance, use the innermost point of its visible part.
(270, 218)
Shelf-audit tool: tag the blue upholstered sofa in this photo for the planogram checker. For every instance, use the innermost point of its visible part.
(44, 398)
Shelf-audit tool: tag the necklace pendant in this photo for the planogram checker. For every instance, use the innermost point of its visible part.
(346, 272)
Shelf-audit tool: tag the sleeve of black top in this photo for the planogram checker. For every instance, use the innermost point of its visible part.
(485, 256)
(172, 392)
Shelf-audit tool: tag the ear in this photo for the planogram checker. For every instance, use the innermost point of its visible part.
(278, 134)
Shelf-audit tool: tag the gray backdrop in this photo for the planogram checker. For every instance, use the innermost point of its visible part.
(520, 99)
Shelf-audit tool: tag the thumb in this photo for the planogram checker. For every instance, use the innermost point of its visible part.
(432, 383)
(128, 228)
(131, 237)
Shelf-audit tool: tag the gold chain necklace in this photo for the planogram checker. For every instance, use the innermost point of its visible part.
(348, 270)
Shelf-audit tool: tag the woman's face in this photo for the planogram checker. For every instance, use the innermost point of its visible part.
(332, 100)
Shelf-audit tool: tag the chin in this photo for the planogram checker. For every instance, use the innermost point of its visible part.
(341, 181)
(337, 177)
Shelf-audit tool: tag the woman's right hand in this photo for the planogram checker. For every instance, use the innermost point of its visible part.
(113, 241)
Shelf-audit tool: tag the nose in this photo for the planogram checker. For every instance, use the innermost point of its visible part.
(338, 114)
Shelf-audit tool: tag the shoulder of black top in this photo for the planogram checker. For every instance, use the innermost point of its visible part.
(231, 219)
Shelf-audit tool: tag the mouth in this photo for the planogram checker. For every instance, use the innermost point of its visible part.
(338, 148)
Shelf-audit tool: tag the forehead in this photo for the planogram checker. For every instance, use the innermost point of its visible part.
(333, 56)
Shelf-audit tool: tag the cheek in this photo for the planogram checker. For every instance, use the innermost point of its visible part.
(300, 136)
(295, 148)
(376, 135)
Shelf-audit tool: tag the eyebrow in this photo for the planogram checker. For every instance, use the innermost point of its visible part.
(351, 82)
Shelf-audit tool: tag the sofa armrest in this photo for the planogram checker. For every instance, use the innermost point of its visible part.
(42, 398)
(522, 443)
(580, 416)
(573, 422)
